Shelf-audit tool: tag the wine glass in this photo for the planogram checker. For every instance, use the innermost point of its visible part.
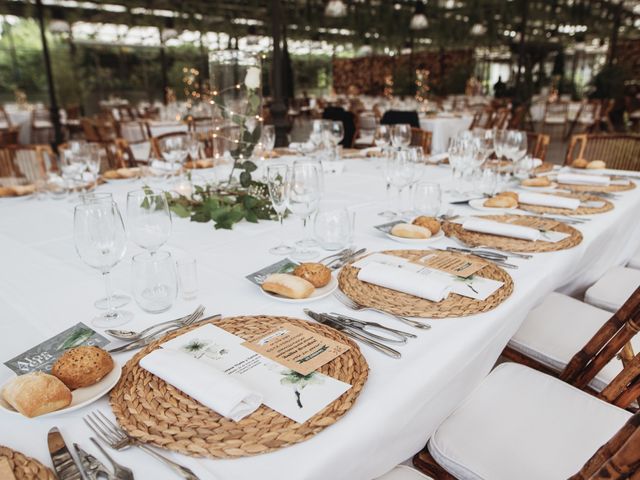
(279, 183)
(382, 137)
(193, 147)
(174, 150)
(268, 139)
(337, 133)
(318, 135)
(304, 197)
(149, 218)
(484, 141)
(101, 242)
(401, 135)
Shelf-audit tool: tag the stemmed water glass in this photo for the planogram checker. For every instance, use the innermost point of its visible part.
(382, 137)
(101, 242)
(279, 183)
(304, 198)
(400, 169)
(174, 150)
(268, 138)
(319, 133)
(401, 135)
(334, 137)
(148, 218)
(193, 147)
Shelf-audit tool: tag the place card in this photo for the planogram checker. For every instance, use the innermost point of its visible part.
(299, 349)
(283, 266)
(298, 397)
(453, 264)
(42, 357)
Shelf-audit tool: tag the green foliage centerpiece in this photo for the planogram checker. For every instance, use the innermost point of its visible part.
(235, 96)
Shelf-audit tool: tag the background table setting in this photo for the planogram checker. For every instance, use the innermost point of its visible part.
(438, 341)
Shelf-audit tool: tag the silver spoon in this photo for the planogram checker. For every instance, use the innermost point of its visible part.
(132, 335)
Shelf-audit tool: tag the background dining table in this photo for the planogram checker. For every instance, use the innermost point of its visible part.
(45, 288)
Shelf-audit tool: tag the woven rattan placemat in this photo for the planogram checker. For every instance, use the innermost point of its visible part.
(566, 211)
(154, 412)
(598, 188)
(399, 303)
(25, 468)
(512, 244)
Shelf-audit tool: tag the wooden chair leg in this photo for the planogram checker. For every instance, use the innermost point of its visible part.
(425, 463)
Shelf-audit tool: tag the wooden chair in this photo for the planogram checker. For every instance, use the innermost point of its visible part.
(421, 138)
(201, 124)
(556, 117)
(537, 145)
(617, 150)
(156, 142)
(8, 131)
(572, 324)
(41, 126)
(482, 118)
(31, 162)
(500, 119)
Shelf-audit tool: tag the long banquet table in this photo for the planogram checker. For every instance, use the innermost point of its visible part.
(45, 288)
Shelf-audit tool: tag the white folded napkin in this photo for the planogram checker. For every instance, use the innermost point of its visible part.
(160, 165)
(212, 388)
(503, 229)
(548, 200)
(405, 281)
(580, 179)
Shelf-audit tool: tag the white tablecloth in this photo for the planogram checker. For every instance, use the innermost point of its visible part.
(443, 128)
(157, 127)
(45, 288)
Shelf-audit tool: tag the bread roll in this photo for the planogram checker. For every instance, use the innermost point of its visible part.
(6, 472)
(501, 202)
(288, 285)
(315, 273)
(36, 393)
(127, 172)
(407, 230)
(537, 182)
(596, 165)
(111, 175)
(24, 189)
(579, 163)
(513, 195)
(82, 366)
(7, 192)
(428, 222)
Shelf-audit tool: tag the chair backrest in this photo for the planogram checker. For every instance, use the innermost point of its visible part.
(5, 120)
(537, 145)
(617, 459)
(618, 151)
(40, 114)
(393, 117)
(608, 341)
(135, 131)
(201, 124)
(156, 142)
(558, 109)
(421, 138)
(27, 161)
(123, 154)
(348, 120)
(501, 118)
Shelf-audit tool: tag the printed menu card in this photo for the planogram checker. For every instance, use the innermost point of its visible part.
(295, 395)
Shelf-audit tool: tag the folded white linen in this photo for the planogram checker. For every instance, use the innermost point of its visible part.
(212, 388)
(401, 280)
(580, 179)
(166, 166)
(548, 200)
(503, 229)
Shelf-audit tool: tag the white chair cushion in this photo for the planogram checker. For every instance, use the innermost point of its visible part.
(558, 328)
(615, 288)
(520, 423)
(635, 261)
(404, 472)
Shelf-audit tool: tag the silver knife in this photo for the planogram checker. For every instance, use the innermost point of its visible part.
(65, 466)
(353, 334)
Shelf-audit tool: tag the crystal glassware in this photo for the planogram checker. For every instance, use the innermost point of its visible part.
(401, 172)
(154, 281)
(427, 199)
(401, 135)
(101, 242)
(279, 184)
(332, 227)
(187, 278)
(148, 218)
(382, 136)
(305, 194)
(174, 150)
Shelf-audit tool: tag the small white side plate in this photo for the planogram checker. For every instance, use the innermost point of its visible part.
(80, 397)
(417, 241)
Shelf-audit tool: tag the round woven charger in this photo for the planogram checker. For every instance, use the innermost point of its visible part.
(512, 244)
(566, 211)
(598, 188)
(399, 303)
(155, 412)
(25, 468)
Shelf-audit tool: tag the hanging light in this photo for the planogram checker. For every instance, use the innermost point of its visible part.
(335, 9)
(419, 19)
(478, 30)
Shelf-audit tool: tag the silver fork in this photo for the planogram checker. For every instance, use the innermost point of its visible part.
(121, 472)
(118, 439)
(347, 302)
